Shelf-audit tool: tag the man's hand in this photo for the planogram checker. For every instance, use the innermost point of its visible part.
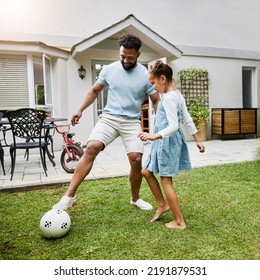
(75, 118)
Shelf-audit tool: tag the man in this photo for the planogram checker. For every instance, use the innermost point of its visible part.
(128, 84)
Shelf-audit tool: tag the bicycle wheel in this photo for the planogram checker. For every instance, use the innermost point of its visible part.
(69, 160)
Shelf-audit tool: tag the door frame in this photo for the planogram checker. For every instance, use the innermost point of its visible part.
(94, 71)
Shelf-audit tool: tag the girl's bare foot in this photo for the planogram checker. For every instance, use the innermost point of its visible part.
(159, 212)
(175, 225)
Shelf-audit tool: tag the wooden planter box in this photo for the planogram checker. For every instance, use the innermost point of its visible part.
(237, 121)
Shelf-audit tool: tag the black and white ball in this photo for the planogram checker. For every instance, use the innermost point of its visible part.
(55, 223)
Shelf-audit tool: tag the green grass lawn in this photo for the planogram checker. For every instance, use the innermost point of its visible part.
(220, 204)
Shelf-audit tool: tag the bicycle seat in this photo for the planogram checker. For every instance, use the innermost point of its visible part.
(70, 135)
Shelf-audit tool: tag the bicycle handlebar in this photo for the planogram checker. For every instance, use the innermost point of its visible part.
(60, 126)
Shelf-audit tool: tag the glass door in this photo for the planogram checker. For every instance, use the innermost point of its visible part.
(101, 100)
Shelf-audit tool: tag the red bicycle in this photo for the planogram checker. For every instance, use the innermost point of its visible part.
(72, 150)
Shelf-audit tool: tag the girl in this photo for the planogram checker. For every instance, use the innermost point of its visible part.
(169, 152)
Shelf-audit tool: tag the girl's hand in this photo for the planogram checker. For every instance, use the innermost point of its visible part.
(144, 136)
(201, 147)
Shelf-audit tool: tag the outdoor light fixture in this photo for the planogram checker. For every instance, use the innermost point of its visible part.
(82, 72)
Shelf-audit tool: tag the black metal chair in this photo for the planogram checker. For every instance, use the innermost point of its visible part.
(1, 148)
(27, 123)
(49, 142)
(3, 129)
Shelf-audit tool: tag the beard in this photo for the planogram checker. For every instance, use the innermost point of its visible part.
(128, 66)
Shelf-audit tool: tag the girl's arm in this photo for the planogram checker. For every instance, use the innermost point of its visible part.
(170, 107)
(200, 145)
(187, 119)
(191, 126)
(145, 136)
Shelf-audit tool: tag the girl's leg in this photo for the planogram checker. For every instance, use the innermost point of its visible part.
(156, 190)
(173, 203)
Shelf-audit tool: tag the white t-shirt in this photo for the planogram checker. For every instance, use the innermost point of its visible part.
(173, 102)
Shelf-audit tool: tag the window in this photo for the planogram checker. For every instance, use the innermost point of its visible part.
(14, 85)
(13, 82)
(42, 83)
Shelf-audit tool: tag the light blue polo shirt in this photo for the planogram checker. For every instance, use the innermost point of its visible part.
(127, 89)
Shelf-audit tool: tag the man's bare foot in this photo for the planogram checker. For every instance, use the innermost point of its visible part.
(159, 212)
(175, 225)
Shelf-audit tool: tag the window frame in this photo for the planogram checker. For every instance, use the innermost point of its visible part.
(48, 106)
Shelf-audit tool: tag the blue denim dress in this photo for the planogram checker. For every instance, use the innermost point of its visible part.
(168, 155)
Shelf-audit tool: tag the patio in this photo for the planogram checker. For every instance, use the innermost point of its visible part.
(113, 162)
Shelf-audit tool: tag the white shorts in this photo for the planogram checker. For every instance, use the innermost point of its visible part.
(108, 128)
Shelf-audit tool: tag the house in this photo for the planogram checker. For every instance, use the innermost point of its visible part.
(37, 74)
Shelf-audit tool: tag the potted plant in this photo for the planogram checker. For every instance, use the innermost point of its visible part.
(200, 115)
(194, 84)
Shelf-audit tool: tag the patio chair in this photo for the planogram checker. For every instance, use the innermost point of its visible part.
(49, 141)
(2, 157)
(26, 124)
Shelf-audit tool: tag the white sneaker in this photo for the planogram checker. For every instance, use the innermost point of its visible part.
(141, 204)
(65, 203)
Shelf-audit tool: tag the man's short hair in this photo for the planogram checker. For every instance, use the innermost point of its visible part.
(130, 41)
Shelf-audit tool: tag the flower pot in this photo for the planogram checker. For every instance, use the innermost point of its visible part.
(202, 130)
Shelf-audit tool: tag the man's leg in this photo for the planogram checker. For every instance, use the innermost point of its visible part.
(82, 169)
(135, 177)
(84, 166)
(129, 130)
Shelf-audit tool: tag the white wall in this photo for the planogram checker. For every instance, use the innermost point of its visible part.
(225, 88)
(223, 23)
(225, 76)
(60, 85)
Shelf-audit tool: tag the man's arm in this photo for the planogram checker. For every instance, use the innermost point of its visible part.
(155, 99)
(87, 101)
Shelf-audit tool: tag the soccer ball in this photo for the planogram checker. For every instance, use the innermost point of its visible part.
(55, 223)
